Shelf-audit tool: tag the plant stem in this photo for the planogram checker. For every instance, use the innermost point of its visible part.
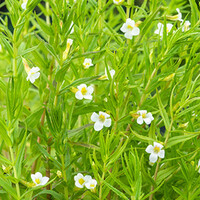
(64, 176)
(157, 166)
(100, 26)
(15, 172)
(128, 9)
(102, 178)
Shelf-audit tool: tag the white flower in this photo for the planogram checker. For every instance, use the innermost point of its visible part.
(155, 152)
(24, 4)
(84, 92)
(87, 63)
(1, 48)
(81, 180)
(101, 119)
(38, 179)
(161, 27)
(176, 17)
(33, 74)
(130, 29)
(69, 42)
(186, 26)
(118, 2)
(91, 184)
(65, 53)
(179, 16)
(144, 117)
(112, 73)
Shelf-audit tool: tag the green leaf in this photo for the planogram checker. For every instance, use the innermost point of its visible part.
(163, 112)
(4, 134)
(180, 139)
(9, 189)
(116, 191)
(52, 193)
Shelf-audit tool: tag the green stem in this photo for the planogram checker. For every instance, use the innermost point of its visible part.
(157, 166)
(15, 172)
(128, 9)
(101, 184)
(64, 176)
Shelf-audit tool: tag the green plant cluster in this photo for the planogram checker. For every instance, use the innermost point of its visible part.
(44, 128)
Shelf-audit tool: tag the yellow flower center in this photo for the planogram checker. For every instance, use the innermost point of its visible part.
(130, 27)
(156, 149)
(92, 185)
(87, 64)
(32, 73)
(83, 91)
(81, 181)
(144, 115)
(102, 118)
(37, 180)
(186, 27)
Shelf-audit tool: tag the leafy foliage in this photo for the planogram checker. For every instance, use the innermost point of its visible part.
(45, 128)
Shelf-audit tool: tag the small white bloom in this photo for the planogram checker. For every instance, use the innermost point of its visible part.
(91, 184)
(144, 117)
(84, 92)
(38, 179)
(179, 16)
(101, 119)
(33, 74)
(69, 42)
(155, 152)
(24, 4)
(160, 30)
(87, 63)
(1, 48)
(81, 180)
(130, 29)
(186, 26)
(118, 2)
(176, 17)
(112, 73)
(65, 53)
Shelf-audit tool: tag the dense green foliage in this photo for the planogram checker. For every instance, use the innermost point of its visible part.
(44, 128)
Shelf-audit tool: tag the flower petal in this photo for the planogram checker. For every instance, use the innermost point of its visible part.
(141, 112)
(38, 175)
(81, 86)
(98, 126)
(79, 95)
(44, 180)
(36, 75)
(123, 28)
(150, 116)
(147, 120)
(107, 123)
(158, 145)
(161, 154)
(77, 184)
(153, 157)
(140, 120)
(94, 117)
(87, 178)
(90, 89)
(149, 149)
(135, 31)
(32, 79)
(88, 96)
(128, 35)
